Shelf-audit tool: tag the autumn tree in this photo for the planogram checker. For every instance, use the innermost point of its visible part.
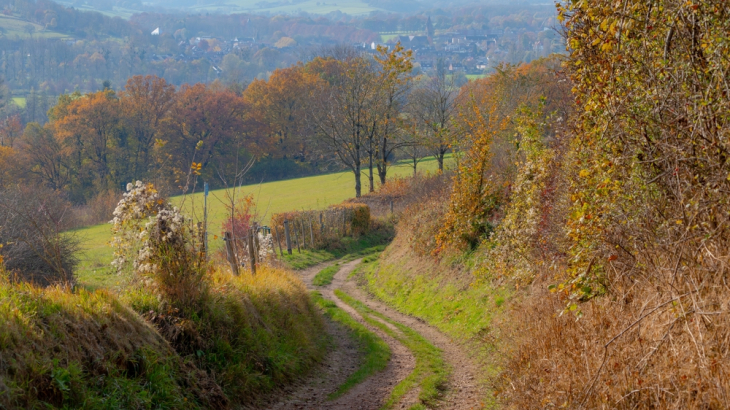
(91, 125)
(145, 105)
(394, 80)
(432, 102)
(342, 111)
(10, 130)
(278, 106)
(45, 156)
(205, 124)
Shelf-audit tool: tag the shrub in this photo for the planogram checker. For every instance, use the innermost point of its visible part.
(168, 254)
(34, 249)
(254, 332)
(338, 221)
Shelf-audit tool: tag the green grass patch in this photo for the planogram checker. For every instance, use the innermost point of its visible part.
(431, 371)
(11, 27)
(325, 276)
(376, 351)
(19, 101)
(317, 192)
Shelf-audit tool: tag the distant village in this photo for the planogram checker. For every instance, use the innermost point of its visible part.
(472, 52)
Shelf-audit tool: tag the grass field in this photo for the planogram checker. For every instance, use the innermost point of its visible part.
(19, 101)
(11, 27)
(315, 192)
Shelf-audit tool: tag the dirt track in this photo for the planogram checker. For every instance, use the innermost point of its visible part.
(462, 390)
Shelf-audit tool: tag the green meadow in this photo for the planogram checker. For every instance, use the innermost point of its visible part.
(10, 27)
(316, 192)
(19, 101)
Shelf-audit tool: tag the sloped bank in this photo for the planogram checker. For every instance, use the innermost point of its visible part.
(62, 349)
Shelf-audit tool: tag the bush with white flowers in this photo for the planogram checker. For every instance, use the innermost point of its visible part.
(160, 243)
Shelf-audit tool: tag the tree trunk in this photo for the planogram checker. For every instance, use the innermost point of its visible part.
(370, 174)
(440, 158)
(358, 186)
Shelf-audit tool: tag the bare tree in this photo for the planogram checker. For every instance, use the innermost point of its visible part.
(433, 104)
(343, 111)
(34, 248)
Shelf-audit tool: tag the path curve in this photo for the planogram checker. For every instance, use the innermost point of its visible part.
(462, 390)
(344, 359)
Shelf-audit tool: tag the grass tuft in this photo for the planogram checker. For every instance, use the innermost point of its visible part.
(325, 276)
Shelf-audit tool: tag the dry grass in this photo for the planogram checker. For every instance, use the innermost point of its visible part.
(87, 350)
(255, 333)
(637, 347)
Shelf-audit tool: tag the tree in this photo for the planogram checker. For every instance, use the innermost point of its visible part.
(145, 104)
(205, 122)
(433, 103)
(45, 155)
(395, 82)
(342, 111)
(91, 126)
(10, 130)
(278, 107)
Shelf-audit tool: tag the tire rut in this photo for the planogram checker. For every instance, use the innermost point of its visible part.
(462, 391)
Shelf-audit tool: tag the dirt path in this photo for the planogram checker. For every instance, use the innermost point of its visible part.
(462, 390)
(344, 360)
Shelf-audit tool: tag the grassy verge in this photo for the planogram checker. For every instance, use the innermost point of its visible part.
(376, 352)
(91, 349)
(325, 276)
(431, 371)
(254, 332)
(87, 350)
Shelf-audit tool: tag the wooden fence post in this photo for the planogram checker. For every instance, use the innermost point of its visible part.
(311, 233)
(288, 236)
(278, 241)
(296, 237)
(252, 249)
(321, 225)
(228, 238)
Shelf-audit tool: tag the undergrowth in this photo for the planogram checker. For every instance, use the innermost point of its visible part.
(254, 332)
(376, 352)
(431, 371)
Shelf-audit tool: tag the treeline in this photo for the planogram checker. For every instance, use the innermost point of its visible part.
(343, 109)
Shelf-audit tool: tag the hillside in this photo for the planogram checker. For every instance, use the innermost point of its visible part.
(315, 192)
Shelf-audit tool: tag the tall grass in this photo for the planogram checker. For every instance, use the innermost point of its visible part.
(87, 350)
(254, 332)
